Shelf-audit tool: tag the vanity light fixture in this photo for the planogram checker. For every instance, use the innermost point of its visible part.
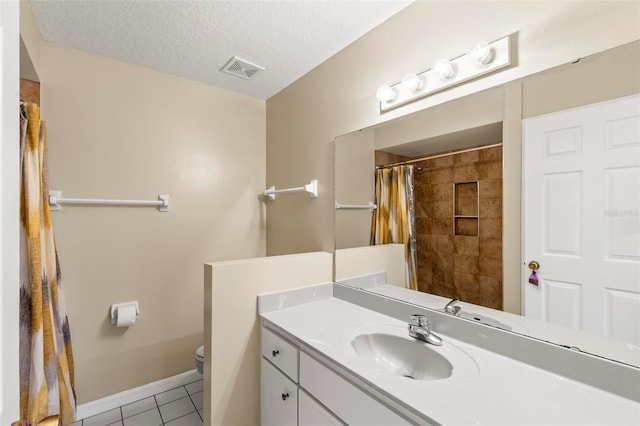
(483, 58)
(444, 68)
(413, 82)
(481, 52)
(385, 93)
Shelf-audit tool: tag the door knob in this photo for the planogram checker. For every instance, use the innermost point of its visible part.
(534, 266)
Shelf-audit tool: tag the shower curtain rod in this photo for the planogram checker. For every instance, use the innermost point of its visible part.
(446, 154)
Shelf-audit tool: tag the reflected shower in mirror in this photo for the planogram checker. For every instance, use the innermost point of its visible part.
(456, 204)
(457, 208)
(469, 170)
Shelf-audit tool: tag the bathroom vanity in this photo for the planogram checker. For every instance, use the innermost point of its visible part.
(332, 354)
(293, 381)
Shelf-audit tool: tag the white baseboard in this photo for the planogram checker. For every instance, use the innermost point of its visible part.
(131, 395)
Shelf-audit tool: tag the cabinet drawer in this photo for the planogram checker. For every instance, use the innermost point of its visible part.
(312, 413)
(348, 402)
(278, 397)
(280, 352)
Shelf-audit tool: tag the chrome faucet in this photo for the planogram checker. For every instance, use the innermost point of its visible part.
(422, 332)
(452, 308)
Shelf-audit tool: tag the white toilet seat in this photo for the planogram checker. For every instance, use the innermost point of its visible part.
(200, 359)
(200, 354)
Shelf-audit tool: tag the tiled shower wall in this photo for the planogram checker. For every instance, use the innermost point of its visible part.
(29, 91)
(465, 266)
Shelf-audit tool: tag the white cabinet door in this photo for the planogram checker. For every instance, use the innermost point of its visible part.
(311, 413)
(278, 397)
(581, 192)
(353, 406)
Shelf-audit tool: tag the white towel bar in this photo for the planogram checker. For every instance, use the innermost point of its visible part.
(370, 206)
(55, 201)
(311, 188)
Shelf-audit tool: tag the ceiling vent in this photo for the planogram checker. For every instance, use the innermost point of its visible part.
(241, 68)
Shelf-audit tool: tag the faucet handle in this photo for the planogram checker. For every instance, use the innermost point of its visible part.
(422, 320)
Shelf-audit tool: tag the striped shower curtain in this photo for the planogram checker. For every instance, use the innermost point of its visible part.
(394, 219)
(46, 359)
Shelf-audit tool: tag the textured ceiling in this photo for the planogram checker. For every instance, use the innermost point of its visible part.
(194, 39)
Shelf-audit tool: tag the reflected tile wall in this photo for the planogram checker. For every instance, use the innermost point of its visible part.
(30, 91)
(467, 267)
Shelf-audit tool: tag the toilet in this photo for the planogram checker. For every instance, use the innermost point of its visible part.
(200, 359)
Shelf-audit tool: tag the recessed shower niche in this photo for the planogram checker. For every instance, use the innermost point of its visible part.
(466, 208)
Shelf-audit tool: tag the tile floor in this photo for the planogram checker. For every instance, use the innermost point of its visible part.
(181, 406)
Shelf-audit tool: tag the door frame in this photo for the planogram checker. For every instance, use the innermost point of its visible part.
(9, 210)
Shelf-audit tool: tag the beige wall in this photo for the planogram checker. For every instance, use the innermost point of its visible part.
(511, 198)
(358, 261)
(455, 116)
(338, 96)
(29, 43)
(232, 328)
(122, 131)
(354, 184)
(609, 75)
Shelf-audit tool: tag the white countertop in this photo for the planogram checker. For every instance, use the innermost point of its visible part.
(484, 389)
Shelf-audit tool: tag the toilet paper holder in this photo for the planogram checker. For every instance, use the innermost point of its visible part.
(116, 306)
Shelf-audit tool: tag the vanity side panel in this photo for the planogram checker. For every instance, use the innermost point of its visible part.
(232, 328)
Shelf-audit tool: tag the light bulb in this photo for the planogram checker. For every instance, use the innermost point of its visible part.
(481, 52)
(385, 93)
(413, 82)
(444, 68)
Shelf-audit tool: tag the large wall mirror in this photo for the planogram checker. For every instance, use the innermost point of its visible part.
(472, 222)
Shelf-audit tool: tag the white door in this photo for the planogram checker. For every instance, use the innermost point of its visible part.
(9, 207)
(581, 201)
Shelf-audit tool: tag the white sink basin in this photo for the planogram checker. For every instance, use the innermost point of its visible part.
(407, 358)
(384, 353)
